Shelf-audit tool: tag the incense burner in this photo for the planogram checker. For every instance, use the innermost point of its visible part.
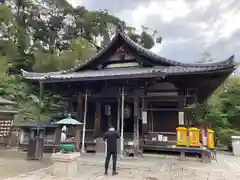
(67, 146)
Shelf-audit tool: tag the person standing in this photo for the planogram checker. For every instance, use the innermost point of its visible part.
(111, 138)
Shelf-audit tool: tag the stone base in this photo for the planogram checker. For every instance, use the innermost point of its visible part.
(65, 165)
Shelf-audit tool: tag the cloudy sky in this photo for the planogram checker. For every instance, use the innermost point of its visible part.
(188, 27)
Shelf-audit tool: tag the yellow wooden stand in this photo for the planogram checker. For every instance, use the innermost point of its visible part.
(181, 136)
(194, 137)
(211, 144)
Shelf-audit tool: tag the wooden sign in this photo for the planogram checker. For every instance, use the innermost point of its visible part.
(144, 117)
(108, 110)
(181, 118)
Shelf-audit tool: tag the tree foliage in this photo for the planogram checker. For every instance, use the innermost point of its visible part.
(49, 35)
(222, 109)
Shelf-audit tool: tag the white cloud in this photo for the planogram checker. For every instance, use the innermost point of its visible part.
(202, 5)
(168, 10)
(165, 10)
(188, 27)
(76, 2)
(226, 24)
(231, 23)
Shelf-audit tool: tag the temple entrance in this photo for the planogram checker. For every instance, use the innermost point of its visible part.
(109, 114)
(128, 118)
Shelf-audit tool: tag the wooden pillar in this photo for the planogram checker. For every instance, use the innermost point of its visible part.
(150, 116)
(78, 137)
(57, 139)
(122, 121)
(118, 114)
(70, 106)
(136, 124)
(9, 142)
(181, 102)
(80, 107)
(80, 119)
(97, 122)
(84, 119)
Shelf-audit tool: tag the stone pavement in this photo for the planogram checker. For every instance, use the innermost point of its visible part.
(13, 163)
(149, 168)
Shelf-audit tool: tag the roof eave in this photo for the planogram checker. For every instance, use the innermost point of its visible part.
(49, 79)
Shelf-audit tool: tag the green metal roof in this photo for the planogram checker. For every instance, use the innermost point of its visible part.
(35, 124)
(68, 121)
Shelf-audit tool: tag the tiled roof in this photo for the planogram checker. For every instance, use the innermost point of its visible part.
(146, 53)
(121, 73)
(164, 65)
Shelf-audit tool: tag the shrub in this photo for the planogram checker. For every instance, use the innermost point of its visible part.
(224, 136)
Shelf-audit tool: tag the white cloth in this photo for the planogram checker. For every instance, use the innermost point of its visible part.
(63, 136)
(64, 128)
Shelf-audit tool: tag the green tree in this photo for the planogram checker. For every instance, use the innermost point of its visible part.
(43, 39)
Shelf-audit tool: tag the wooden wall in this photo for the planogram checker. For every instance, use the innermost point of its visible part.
(165, 121)
(90, 115)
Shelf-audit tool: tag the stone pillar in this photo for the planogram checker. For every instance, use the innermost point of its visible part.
(97, 123)
(65, 165)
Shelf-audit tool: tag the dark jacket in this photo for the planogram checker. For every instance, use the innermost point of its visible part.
(111, 137)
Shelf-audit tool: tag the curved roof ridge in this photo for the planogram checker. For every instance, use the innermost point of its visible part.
(148, 53)
(153, 55)
(100, 53)
(228, 61)
(139, 49)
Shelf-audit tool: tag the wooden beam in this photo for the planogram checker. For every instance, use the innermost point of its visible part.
(132, 95)
(161, 109)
